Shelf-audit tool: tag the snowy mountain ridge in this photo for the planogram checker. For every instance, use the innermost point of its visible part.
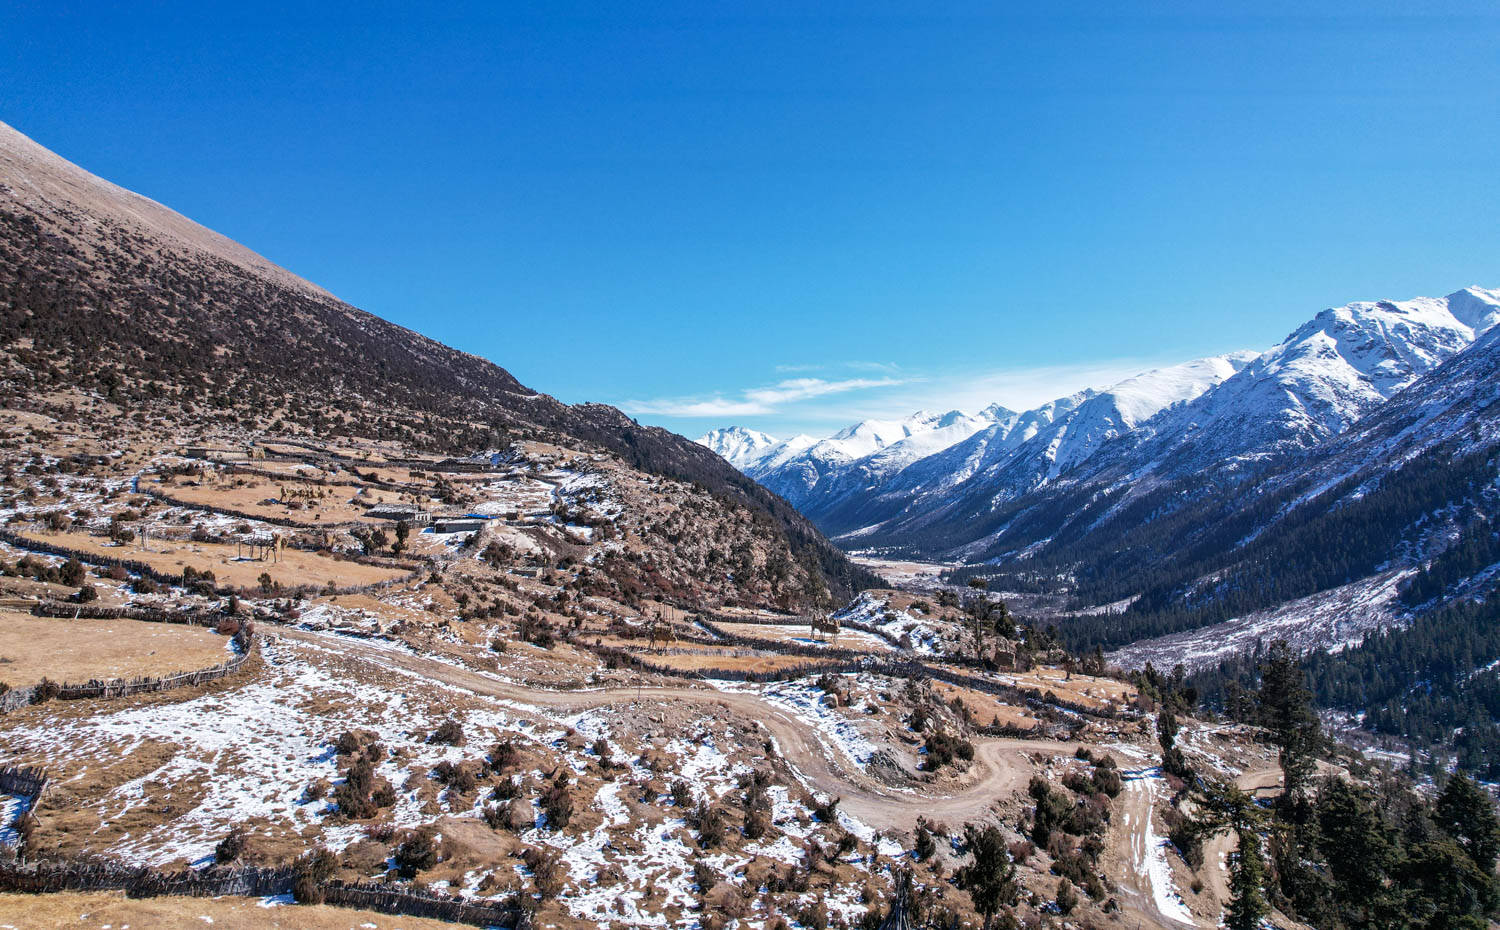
(887, 480)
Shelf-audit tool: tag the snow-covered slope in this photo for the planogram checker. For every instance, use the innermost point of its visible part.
(943, 485)
(864, 454)
(1328, 373)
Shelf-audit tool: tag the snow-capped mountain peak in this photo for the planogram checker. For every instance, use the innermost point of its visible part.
(737, 445)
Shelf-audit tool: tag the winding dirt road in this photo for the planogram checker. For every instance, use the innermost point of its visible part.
(1001, 765)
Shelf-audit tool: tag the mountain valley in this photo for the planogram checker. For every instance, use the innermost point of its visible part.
(308, 620)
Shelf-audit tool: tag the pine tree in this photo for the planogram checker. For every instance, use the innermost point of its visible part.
(990, 879)
(1359, 849)
(1285, 709)
(1465, 813)
(1247, 877)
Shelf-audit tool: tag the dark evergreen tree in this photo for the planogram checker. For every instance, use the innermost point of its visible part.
(1360, 853)
(1285, 709)
(990, 876)
(1247, 878)
(1465, 813)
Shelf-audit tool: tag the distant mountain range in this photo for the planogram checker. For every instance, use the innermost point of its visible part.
(944, 485)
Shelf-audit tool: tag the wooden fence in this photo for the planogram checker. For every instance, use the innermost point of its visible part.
(65, 611)
(22, 781)
(45, 876)
(91, 558)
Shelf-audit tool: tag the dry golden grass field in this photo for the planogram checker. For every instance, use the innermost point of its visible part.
(1084, 689)
(78, 650)
(331, 507)
(100, 910)
(986, 708)
(800, 633)
(753, 663)
(296, 567)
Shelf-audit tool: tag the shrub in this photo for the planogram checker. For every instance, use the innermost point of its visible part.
(557, 803)
(1107, 780)
(362, 794)
(504, 756)
(307, 891)
(1067, 898)
(942, 748)
(318, 864)
(46, 690)
(72, 573)
(827, 811)
(449, 732)
(1184, 834)
(415, 853)
(704, 877)
(1077, 781)
(925, 846)
(231, 847)
(458, 776)
(546, 871)
(709, 822)
(495, 816)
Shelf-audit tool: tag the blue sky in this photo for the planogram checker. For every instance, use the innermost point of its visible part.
(792, 220)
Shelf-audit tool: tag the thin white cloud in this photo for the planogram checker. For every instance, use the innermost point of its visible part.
(761, 401)
(821, 407)
(682, 407)
(796, 389)
(887, 367)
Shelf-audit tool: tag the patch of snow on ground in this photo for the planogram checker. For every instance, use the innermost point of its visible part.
(872, 611)
(809, 704)
(1331, 619)
(1150, 850)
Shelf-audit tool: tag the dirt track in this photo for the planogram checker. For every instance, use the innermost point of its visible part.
(1001, 764)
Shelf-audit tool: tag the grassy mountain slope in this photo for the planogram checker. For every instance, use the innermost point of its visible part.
(106, 294)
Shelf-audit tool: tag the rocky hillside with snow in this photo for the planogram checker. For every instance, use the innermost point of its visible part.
(108, 297)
